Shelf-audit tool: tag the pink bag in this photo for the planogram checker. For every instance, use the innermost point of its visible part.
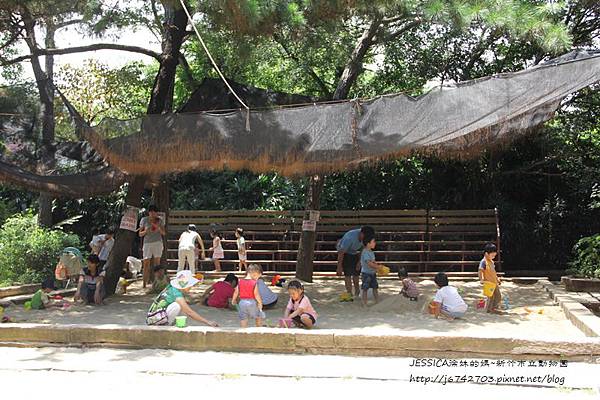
(286, 323)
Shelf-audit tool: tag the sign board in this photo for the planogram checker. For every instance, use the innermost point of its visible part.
(308, 225)
(130, 219)
(314, 215)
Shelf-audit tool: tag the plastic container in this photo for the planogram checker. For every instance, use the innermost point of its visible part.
(383, 271)
(488, 288)
(181, 321)
(434, 308)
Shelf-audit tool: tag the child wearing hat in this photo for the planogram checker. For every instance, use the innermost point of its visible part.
(187, 248)
(170, 303)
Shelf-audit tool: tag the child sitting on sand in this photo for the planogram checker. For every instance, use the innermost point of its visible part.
(250, 302)
(487, 273)
(447, 303)
(269, 299)
(409, 287)
(299, 310)
(219, 294)
(41, 300)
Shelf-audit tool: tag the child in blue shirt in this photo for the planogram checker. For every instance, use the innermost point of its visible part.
(368, 270)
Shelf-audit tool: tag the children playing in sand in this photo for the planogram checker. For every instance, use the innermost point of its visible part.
(368, 270)
(487, 273)
(241, 245)
(409, 287)
(250, 302)
(171, 302)
(299, 310)
(447, 303)
(41, 299)
(217, 250)
(219, 294)
(348, 262)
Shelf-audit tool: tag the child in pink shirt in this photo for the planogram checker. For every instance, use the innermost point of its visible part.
(299, 310)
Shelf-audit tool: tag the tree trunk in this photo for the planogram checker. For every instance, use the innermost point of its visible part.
(354, 65)
(123, 239)
(46, 93)
(162, 201)
(161, 101)
(306, 247)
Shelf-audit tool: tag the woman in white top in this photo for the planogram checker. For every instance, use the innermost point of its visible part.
(187, 247)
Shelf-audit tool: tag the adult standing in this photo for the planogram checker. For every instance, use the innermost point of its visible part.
(349, 248)
(102, 245)
(152, 230)
(187, 247)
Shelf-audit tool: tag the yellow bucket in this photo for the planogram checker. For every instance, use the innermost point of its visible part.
(488, 288)
(383, 271)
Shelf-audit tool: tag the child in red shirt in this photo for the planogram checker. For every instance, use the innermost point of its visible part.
(219, 294)
(250, 302)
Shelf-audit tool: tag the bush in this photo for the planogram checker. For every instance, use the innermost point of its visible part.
(6, 210)
(587, 258)
(28, 253)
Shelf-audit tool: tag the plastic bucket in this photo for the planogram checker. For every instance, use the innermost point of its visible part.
(383, 271)
(433, 308)
(488, 288)
(181, 321)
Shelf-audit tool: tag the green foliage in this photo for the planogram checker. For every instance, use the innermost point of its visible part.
(29, 253)
(235, 190)
(586, 261)
(6, 210)
(98, 91)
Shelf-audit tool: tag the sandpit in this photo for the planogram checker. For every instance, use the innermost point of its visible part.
(532, 314)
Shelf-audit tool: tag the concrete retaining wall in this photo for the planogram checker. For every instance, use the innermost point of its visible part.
(18, 290)
(296, 341)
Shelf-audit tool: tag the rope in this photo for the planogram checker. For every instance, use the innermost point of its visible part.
(215, 65)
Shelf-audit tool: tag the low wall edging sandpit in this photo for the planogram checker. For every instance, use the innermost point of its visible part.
(269, 340)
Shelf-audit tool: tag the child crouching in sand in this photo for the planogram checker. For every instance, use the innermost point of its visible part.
(299, 310)
(409, 287)
(447, 303)
(250, 303)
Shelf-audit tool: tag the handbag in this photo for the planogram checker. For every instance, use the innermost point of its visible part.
(158, 317)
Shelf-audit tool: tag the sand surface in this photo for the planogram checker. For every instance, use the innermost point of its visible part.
(393, 314)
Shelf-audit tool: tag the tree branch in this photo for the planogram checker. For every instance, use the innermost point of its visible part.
(352, 68)
(320, 82)
(187, 70)
(401, 31)
(83, 49)
(64, 24)
(75, 186)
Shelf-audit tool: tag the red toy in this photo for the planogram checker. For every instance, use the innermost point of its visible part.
(275, 280)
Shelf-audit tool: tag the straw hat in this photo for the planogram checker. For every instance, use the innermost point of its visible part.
(184, 280)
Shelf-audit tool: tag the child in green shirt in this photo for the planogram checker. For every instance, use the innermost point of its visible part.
(42, 300)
